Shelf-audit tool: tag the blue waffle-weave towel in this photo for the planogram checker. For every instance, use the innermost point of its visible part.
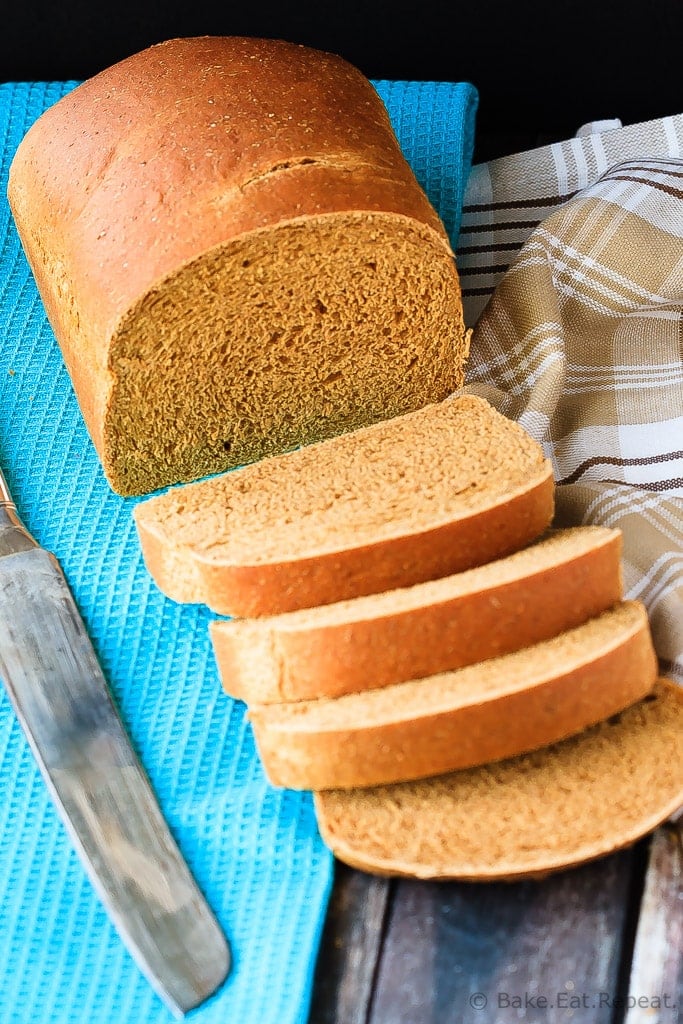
(254, 850)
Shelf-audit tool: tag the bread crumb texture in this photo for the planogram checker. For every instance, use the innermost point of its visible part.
(559, 806)
(415, 497)
(404, 475)
(291, 335)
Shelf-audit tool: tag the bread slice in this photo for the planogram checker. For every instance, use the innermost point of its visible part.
(524, 817)
(235, 256)
(413, 498)
(484, 712)
(565, 578)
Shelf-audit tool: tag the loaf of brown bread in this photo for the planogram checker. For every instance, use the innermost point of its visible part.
(527, 816)
(565, 578)
(235, 257)
(483, 712)
(416, 497)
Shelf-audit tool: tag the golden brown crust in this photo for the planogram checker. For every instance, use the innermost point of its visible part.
(311, 661)
(557, 704)
(275, 587)
(178, 150)
(530, 860)
(460, 544)
(147, 137)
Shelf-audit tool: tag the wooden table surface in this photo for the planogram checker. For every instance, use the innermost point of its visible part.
(599, 944)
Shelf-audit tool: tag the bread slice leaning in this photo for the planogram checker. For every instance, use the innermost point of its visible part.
(416, 497)
(525, 817)
(566, 578)
(484, 712)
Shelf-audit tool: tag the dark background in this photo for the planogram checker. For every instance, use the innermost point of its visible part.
(541, 69)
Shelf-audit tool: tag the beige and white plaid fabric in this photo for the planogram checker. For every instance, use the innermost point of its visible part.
(571, 259)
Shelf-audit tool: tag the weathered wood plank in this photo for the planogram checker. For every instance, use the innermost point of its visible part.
(545, 952)
(655, 993)
(350, 948)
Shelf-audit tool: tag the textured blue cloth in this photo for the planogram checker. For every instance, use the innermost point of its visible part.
(254, 850)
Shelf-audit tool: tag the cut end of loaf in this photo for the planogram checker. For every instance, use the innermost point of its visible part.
(552, 809)
(280, 338)
(415, 497)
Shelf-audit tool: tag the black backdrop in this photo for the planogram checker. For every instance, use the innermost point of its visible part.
(541, 68)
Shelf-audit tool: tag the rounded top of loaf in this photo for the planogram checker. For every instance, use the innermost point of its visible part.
(192, 142)
(221, 103)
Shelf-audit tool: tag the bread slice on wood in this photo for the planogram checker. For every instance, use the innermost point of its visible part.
(235, 256)
(523, 817)
(484, 712)
(569, 576)
(413, 498)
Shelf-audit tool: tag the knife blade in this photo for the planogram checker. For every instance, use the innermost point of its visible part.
(59, 693)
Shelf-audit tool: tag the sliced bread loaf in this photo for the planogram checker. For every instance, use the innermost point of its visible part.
(235, 256)
(567, 577)
(484, 712)
(413, 498)
(524, 817)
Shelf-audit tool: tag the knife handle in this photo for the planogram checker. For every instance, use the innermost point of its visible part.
(14, 537)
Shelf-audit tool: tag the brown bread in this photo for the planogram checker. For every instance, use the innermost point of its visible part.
(484, 712)
(413, 498)
(559, 582)
(525, 817)
(235, 257)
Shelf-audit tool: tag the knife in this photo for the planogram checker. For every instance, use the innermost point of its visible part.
(61, 698)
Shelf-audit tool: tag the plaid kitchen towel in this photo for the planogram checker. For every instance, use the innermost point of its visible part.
(254, 850)
(571, 259)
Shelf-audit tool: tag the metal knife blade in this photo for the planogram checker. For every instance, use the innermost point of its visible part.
(61, 698)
